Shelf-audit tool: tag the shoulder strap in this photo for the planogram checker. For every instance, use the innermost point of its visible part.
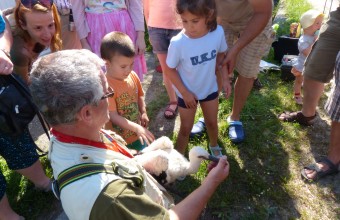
(80, 171)
(23, 89)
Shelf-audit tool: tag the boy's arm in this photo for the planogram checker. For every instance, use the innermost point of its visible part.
(142, 133)
(144, 119)
(188, 97)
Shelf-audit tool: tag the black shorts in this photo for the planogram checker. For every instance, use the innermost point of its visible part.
(210, 97)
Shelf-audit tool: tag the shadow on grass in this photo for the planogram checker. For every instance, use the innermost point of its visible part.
(259, 167)
(26, 200)
(319, 136)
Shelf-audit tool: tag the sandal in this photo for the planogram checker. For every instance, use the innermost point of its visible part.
(216, 149)
(297, 117)
(159, 69)
(168, 109)
(332, 169)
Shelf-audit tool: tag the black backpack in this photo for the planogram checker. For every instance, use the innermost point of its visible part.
(16, 107)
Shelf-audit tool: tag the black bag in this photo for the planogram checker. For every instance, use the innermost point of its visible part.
(16, 107)
(285, 45)
(286, 67)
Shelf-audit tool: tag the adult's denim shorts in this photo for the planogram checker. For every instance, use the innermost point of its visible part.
(160, 38)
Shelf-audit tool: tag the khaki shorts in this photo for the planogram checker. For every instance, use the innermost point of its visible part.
(248, 60)
(319, 65)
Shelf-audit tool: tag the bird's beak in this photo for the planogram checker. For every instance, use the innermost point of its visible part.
(211, 158)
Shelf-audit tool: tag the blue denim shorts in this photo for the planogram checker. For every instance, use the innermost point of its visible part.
(160, 38)
(210, 97)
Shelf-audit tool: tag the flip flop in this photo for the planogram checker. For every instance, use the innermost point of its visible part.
(236, 132)
(332, 169)
(168, 109)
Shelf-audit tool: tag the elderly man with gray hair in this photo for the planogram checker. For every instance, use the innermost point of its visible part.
(97, 176)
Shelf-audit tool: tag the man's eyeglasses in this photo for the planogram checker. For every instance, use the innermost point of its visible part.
(109, 94)
(32, 3)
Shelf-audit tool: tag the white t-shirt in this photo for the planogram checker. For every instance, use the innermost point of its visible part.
(305, 41)
(195, 60)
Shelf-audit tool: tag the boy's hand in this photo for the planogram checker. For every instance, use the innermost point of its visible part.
(144, 120)
(144, 135)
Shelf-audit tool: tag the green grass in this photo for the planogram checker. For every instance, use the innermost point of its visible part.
(261, 184)
(22, 196)
(264, 181)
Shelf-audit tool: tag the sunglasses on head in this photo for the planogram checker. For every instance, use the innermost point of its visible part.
(32, 3)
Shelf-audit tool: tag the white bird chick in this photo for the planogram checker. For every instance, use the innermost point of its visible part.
(166, 164)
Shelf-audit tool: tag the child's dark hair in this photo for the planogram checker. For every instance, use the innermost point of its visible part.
(116, 43)
(202, 8)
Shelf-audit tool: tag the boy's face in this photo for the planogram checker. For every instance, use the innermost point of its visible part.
(119, 67)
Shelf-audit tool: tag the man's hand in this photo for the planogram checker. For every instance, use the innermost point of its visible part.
(218, 171)
(230, 60)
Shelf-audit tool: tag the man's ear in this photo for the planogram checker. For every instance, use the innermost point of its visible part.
(85, 114)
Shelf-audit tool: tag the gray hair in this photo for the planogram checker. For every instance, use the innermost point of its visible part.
(65, 81)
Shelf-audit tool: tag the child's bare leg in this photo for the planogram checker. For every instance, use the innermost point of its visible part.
(187, 117)
(298, 84)
(210, 109)
(167, 83)
(36, 174)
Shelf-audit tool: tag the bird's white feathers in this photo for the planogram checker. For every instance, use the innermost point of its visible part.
(160, 156)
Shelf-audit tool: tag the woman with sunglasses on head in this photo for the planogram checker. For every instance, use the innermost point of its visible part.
(37, 28)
